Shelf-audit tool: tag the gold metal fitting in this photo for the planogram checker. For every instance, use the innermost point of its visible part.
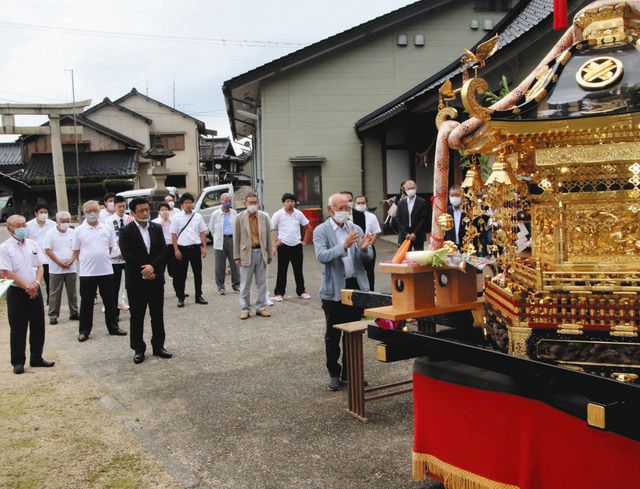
(473, 178)
(626, 377)
(445, 221)
(502, 172)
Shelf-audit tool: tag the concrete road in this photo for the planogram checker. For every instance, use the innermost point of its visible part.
(244, 403)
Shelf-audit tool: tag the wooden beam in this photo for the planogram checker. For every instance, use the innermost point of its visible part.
(38, 130)
(44, 109)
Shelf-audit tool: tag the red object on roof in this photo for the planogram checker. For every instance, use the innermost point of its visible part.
(560, 15)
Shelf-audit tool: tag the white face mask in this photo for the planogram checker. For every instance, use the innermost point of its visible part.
(361, 207)
(43, 216)
(91, 217)
(142, 222)
(411, 192)
(172, 204)
(455, 201)
(63, 226)
(341, 216)
(110, 206)
(252, 209)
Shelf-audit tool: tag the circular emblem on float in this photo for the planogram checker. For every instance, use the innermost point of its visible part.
(600, 72)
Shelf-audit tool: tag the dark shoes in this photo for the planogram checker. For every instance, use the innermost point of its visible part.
(221, 292)
(334, 384)
(18, 369)
(41, 363)
(117, 331)
(200, 300)
(74, 317)
(83, 337)
(180, 302)
(162, 353)
(236, 290)
(138, 357)
(53, 320)
(344, 382)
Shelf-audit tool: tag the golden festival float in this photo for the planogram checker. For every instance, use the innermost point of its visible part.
(544, 392)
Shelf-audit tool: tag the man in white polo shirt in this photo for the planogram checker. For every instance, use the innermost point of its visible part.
(37, 230)
(188, 233)
(92, 245)
(21, 261)
(285, 227)
(370, 225)
(58, 246)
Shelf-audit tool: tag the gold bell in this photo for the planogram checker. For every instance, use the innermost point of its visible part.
(473, 178)
(445, 221)
(502, 172)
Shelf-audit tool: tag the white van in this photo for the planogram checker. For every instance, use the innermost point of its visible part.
(145, 192)
(209, 200)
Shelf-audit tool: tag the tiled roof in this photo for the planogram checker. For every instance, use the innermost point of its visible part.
(121, 163)
(10, 155)
(525, 16)
(217, 149)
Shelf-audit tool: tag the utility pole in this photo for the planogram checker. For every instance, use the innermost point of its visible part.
(75, 138)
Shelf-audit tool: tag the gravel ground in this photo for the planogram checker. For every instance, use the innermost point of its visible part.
(244, 403)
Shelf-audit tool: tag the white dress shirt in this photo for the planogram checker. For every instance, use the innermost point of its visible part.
(457, 216)
(288, 226)
(61, 244)
(347, 260)
(117, 222)
(191, 234)
(21, 258)
(410, 203)
(146, 237)
(166, 228)
(371, 223)
(94, 244)
(37, 232)
(105, 214)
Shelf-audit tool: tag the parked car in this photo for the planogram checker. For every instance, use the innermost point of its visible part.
(146, 192)
(209, 200)
(7, 207)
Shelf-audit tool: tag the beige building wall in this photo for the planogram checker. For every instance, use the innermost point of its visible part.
(132, 127)
(166, 121)
(311, 110)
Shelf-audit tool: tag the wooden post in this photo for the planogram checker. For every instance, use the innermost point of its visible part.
(58, 163)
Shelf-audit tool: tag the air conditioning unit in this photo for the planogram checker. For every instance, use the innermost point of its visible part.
(402, 40)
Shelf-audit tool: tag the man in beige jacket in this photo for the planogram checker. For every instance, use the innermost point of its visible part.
(252, 251)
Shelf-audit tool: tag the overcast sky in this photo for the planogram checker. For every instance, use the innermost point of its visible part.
(113, 46)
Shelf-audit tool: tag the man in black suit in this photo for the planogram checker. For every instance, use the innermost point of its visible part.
(454, 209)
(143, 248)
(414, 217)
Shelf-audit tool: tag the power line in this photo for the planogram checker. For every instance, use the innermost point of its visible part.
(152, 37)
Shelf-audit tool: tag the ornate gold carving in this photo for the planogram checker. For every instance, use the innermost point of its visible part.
(518, 337)
(468, 95)
(483, 52)
(624, 330)
(445, 221)
(624, 377)
(596, 415)
(596, 235)
(600, 72)
(571, 329)
(544, 221)
(609, 23)
(444, 114)
(597, 153)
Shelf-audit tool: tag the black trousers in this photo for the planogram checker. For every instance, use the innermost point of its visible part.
(171, 260)
(294, 255)
(370, 268)
(23, 314)
(88, 287)
(142, 296)
(118, 270)
(336, 312)
(45, 266)
(190, 254)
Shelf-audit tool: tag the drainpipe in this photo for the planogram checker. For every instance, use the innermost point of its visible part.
(362, 176)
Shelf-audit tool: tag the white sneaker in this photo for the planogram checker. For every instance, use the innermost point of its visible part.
(305, 295)
(278, 298)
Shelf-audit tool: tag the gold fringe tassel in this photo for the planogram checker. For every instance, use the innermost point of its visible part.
(452, 477)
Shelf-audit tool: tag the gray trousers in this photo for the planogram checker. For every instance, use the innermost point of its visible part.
(56, 282)
(221, 257)
(259, 269)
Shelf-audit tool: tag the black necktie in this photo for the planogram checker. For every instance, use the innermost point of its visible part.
(121, 222)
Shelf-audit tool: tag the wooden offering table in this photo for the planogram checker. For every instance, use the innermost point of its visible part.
(423, 291)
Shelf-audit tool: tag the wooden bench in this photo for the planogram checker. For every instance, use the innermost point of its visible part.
(355, 372)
